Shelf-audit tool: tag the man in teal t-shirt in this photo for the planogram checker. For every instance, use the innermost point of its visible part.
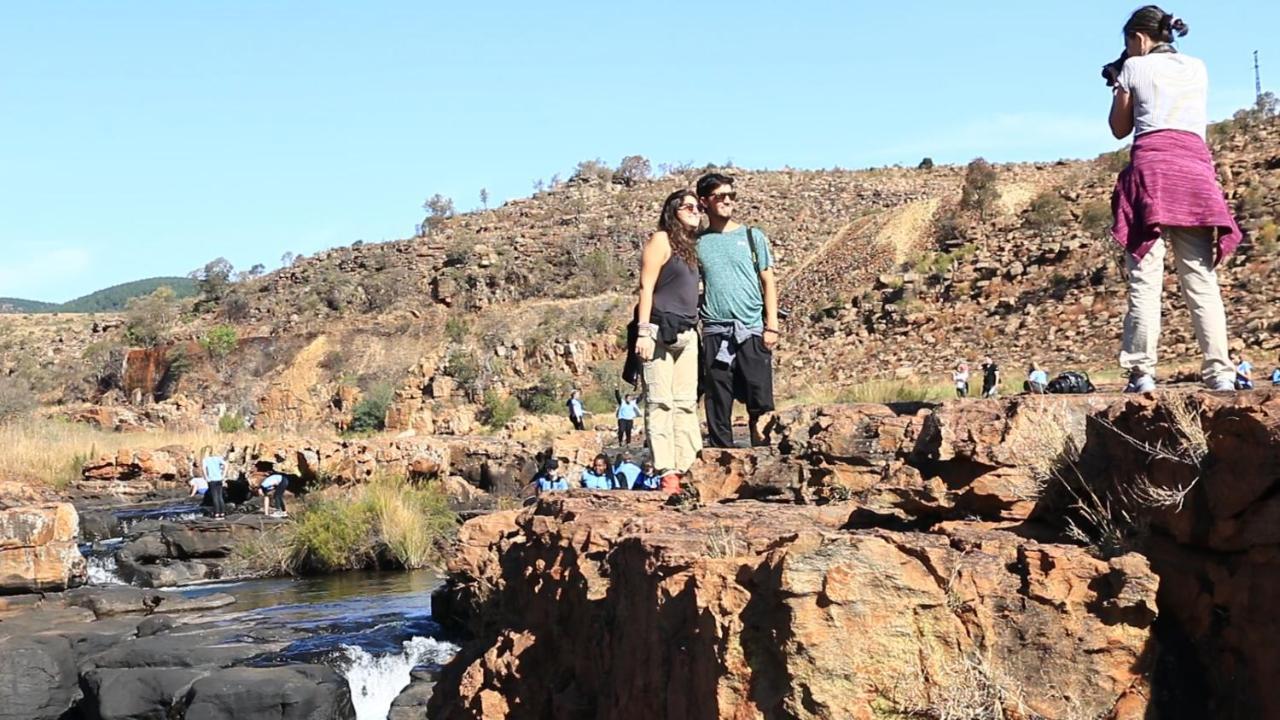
(739, 314)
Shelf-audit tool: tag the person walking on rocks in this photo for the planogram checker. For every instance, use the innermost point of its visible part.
(961, 379)
(990, 377)
(576, 410)
(667, 334)
(1168, 195)
(740, 325)
(628, 411)
(214, 468)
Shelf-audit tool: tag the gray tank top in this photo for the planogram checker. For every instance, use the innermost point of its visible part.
(676, 291)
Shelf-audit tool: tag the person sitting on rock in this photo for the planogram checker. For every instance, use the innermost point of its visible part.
(648, 479)
(1244, 371)
(199, 486)
(274, 485)
(1037, 379)
(598, 476)
(1275, 376)
(550, 478)
(625, 473)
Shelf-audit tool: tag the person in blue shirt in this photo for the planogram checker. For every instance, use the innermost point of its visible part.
(648, 479)
(625, 473)
(1244, 371)
(550, 478)
(1037, 379)
(598, 476)
(628, 411)
(214, 468)
(1275, 376)
(576, 410)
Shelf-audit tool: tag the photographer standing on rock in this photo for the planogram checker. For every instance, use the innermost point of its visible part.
(1169, 192)
(739, 314)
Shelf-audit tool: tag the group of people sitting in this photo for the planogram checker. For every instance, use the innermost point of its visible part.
(620, 474)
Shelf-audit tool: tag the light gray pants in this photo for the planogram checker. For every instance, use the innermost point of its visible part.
(1193, 258)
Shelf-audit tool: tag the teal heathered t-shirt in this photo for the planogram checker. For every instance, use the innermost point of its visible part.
(731, 287)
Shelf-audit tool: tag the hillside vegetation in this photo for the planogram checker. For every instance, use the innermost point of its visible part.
(112, 299)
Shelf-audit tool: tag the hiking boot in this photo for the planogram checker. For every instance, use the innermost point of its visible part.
(1220, 385)
(1140, 383)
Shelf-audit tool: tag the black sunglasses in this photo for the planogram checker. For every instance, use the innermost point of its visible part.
(720, 197)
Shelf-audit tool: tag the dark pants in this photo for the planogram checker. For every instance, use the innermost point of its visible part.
(277, 494)
(577, 422)
(624, 431)
(749, 380)
(215, 493)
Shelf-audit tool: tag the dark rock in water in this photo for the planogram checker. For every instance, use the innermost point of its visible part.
(411, 703)
(107, 601)
(176, 554)
(155, 625)
(38, 677)
(300, 692)
(98, 525)
(132, 694)
(175, 650)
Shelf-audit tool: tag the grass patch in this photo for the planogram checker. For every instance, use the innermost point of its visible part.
(894, 391)
(388, 522)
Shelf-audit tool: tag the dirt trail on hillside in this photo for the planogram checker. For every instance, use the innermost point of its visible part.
(907, 228)
(841, 237)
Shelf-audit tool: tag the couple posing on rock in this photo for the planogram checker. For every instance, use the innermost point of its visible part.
(738, 313)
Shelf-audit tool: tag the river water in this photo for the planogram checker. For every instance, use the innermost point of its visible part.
(373, 627)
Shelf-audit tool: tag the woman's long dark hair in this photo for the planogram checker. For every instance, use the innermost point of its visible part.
(683, 240)
(1155, 23)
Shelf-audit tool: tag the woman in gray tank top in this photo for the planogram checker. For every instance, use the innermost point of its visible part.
(667, 342)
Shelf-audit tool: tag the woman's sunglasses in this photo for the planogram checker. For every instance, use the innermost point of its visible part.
(690, 207)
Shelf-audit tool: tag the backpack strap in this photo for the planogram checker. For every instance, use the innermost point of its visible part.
(755, 259)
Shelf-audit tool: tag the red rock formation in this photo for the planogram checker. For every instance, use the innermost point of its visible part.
(38, 549)
(614, 605)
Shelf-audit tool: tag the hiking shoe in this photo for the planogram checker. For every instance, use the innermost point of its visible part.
(1140, 383)
(1220, 385)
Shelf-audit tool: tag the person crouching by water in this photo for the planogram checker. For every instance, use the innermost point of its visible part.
(599, 476)
(199, 486)
(667, 334)
(1169, 193)
(214, 468)
(274, 485)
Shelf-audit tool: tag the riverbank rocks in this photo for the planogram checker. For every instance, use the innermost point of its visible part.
(748, 609)
(179, 554)
(38, 549)
(135, 474)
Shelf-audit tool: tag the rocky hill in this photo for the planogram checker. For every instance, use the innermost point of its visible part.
(885, 276)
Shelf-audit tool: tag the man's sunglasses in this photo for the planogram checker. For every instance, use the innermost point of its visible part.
(720, 197)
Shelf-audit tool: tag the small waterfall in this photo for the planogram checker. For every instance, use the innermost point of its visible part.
(102, 570)
(375, 681)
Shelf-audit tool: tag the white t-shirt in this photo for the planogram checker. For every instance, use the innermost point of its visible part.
(1170, 92)
(199, 484)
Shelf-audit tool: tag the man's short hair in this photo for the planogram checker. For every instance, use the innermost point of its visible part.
(711, 182)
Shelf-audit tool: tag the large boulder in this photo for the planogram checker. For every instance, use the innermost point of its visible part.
(38, 550)
(298, 692)
(38, 677)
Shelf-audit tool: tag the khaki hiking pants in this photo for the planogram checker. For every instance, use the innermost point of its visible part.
(1193, 258)
(671, 403)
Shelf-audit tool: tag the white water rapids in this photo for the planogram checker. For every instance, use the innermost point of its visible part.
(375, 681)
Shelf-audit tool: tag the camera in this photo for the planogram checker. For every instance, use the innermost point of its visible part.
(1111, 71)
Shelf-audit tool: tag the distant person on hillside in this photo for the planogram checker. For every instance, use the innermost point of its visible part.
(599, 476)
(667, 333)
(625, 473)
(1037, 379)
(990, 377)
(1275, 376)
(550, 478)
(576, 411)
(1169, 193)
(1244, 372)
(961, 379)
(214, 468)
(628, 411)
(274, 485)
(740, 323)
(648, 479)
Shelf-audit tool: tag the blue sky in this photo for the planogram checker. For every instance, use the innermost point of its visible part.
(146, 138)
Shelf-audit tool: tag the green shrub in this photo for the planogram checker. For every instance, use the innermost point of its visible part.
(456, 328)
(370, 414)
(219, 341)
(979, 193)
(331, 534)
(1267, 237)
(1115, 161)
(548, 395)
(149, 320)
(1096, 218)
(497, 411)
(463, 367)
(230, 423)
(1047, 211)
